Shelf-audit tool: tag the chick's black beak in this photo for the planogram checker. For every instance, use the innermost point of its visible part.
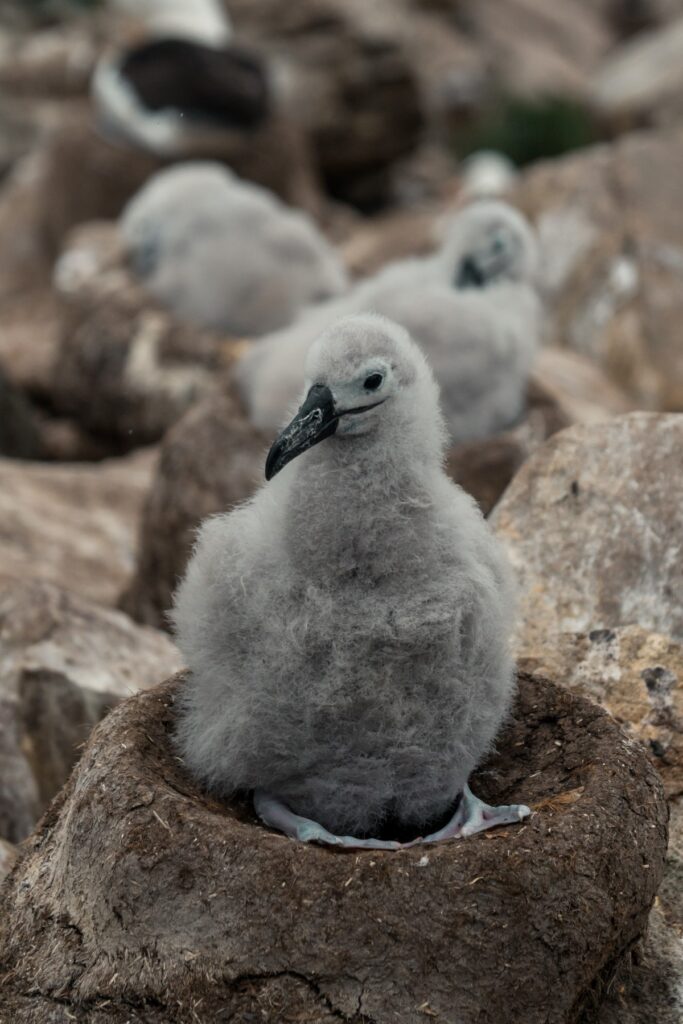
(470, 275)
(483, 268)
(316, 419)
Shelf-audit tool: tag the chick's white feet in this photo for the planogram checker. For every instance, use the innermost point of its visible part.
(471, 815)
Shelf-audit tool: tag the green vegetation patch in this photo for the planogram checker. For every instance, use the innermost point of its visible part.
(530, 129)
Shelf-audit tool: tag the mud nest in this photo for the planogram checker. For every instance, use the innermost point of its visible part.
(139, 899)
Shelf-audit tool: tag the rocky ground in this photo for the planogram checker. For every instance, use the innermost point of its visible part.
(131, 896)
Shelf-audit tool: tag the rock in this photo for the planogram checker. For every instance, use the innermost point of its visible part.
(28, 430)
(628, 17)
(387, 237)
(536, 48)
(636, 675)
(20, 219)
(435, 63)
(200, 906)
(73, 524)
(20, 435)
(605, 544)
(611, 231)
(54, 62)
(39, 204)
(8, 855)
(593, 525)
(206, 20)
(581, 390)
(29, 340)
(16, 137)
(641, 82)
(64, 663)
(64, 440)
(346, 79)
(211, 460)
(126, 368)
(485, 468)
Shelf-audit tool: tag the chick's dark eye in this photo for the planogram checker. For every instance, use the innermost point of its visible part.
(373, 382)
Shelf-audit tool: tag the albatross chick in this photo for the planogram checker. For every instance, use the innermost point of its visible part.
(347, 629)
(472, 308)
(225, 253)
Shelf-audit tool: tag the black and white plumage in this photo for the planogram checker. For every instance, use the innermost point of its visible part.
(472, 307)
(224, 253)
(347, 628)
(183, 87)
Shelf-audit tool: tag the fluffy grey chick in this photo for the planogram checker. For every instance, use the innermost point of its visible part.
(481, 345)
(347, 629)
(224, 253)
(472, 307)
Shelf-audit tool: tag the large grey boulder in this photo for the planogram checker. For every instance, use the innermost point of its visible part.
(610, 224)
(593, 525)
(641, 82)
(580, 388)
(538, 49)
(141, 899)
(73, 524)
(64, 663)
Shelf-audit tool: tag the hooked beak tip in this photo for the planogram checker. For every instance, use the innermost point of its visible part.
(316, 419)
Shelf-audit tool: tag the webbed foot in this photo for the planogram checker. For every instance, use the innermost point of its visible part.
(472, 815)
(273, 812)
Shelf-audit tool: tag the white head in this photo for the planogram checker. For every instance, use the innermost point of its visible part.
(490, 242)
(366, 379)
